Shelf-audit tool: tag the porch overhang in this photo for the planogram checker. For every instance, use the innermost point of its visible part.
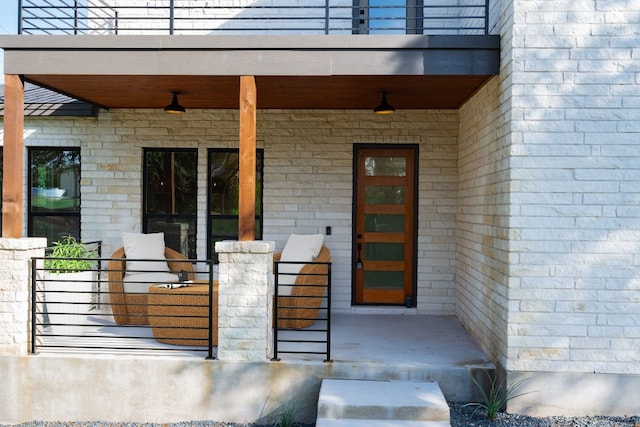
(240, 72)
(297, 72)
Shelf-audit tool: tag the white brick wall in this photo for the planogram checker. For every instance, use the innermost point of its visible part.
(483, 222)
(307, 177)
(15, 294)
(246, 300)
(575, 227)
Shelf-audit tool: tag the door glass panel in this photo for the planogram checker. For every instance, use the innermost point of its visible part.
(384, 223)
(384, 195)
(384, 251)
(383, 280)
(385, 166)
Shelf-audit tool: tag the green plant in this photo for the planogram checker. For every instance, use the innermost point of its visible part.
(285, 415)
(494, 400)
(68, 256)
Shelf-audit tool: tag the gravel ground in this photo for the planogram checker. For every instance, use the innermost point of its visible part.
(461, 416)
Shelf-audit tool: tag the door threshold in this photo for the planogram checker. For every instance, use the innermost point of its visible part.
(382, 309)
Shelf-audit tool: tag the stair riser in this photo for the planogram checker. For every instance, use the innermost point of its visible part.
(384, 401)
(325, 422)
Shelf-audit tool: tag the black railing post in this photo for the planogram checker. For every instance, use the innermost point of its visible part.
(327, 17)
(211, 311)
(486, 17)
(328, 359)
(275, 315)
(19, 16)
(171, 16)
(33, 305)
(75, 17)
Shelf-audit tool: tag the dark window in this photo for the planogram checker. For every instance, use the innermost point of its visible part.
(54, 199)
(223, 196)
(170, 197)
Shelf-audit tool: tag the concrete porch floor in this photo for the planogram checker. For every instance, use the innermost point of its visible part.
(377, 339)
(404, 340)
(363, 346)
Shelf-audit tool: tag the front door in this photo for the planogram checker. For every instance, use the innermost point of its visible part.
(384, 241)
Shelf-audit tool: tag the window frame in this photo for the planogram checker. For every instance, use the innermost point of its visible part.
(32, 214)
(259, 201)
(166, 217)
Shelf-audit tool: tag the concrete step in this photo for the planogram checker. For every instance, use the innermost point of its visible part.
(351, 403)
(327, 422)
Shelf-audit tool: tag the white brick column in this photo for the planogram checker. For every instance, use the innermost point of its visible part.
(245, 302)
(15, 279)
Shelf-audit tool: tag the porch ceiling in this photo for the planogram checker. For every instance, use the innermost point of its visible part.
(279, 92)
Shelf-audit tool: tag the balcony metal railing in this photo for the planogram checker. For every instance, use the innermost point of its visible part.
(303, 315)
(100, 311)
(171, 17)
(88, 312)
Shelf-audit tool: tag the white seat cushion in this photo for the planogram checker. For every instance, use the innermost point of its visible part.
(299, 247)
(144, 246)
(139, 283)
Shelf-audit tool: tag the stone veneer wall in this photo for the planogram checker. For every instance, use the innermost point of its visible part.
(575, 225)
(482, 295)
(549, 286)
(483, 220)
(307, 177)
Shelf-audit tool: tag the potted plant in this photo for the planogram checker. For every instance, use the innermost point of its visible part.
(69, 277)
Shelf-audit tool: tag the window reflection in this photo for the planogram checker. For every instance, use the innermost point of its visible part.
(224, 184)
(54, 199)
(170, 197)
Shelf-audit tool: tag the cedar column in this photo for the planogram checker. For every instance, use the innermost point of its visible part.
(13, 156)
(247, 166)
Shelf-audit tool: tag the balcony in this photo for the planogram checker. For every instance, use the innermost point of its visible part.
(260, 17)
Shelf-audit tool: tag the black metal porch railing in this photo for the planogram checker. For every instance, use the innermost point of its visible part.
(431, 17)
(302, 316)
(90, 312)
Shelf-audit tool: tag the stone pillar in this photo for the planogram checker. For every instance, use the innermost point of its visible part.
(15, 292)
(245, 302)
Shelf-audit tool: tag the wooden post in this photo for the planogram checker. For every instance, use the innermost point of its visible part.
(13, 153)
(247, 161)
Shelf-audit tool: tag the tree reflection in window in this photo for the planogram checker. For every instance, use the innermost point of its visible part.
(224, 182)
(54, 199)
(170, 197)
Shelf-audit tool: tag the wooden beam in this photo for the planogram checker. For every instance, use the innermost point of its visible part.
(13, 159)
(247, 166)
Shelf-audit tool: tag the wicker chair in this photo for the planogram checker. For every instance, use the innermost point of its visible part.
(131, 308)
(298, 310)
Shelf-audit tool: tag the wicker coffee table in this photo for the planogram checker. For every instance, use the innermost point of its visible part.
(180, 316)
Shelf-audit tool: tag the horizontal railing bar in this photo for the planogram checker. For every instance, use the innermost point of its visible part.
(99, 17)
(95, 327)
